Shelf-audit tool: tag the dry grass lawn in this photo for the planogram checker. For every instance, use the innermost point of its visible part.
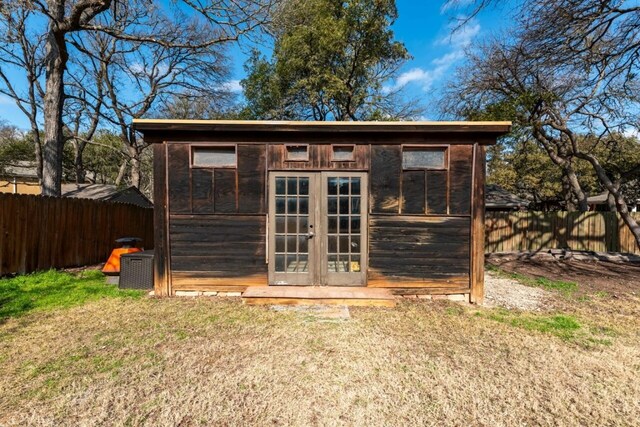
(166, 362)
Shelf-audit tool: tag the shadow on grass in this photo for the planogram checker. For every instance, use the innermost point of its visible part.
(54, 289)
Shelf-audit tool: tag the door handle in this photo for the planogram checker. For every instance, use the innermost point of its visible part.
(310, 235)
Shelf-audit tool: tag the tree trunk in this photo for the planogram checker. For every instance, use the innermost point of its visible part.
(121, 172)
(581, 196)
(38, 150)
(135, 166)
(78, 163)
(614, 191)
(55, 62)
(567, 194)
(611, 202)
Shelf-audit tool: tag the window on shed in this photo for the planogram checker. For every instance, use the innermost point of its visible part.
(423, 158)
(297, 153)
(342, 153)
(214, 157)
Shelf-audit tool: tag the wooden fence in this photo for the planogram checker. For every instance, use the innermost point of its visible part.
(529, 231)
(38, 233)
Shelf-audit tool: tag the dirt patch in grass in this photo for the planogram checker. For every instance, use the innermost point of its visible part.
(161, 362)
(614, 279)
(504, 291)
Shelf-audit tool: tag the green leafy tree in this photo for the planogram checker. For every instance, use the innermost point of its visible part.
(330, 61)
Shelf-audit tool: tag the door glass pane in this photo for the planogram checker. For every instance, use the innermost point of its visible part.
(332, 206)
(332, 186)
(291, 225)
(355, 186)
(304, 186)
(280, 262)
(344, 224)
(291, 244)
(292, 185)
(332, 263)
(280, 205)
(355, 224)
(292, 205)
(355, 264)
(344, 205)
(280, 186)
(303, 224)
(343, 183)
(303, 244)
(303, 264)
(291, 263)
(333, 224)
(280, 244)
(280, 224)
(355, 205)
(344, 244)
(333, 244)
(355, 244)
(304, 205)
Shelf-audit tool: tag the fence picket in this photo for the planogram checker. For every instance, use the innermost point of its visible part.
(589, 231)
(38, 233)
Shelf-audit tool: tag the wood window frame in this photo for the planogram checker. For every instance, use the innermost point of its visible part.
(193, 147)
(414, 147)
(286, 152)
(353, 153)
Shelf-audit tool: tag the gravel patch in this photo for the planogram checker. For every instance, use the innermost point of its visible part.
(511, 294)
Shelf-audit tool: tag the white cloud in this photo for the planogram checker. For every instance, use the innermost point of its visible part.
(413, 75)
(460, 37)
(232, 86)
(418, 76)
(454, 4)
(425, 78)
(5, 100)
(631, 132)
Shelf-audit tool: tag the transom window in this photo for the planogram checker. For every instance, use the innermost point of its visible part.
(214, 157)
(423, 158)
(297, 153)
(342, 153)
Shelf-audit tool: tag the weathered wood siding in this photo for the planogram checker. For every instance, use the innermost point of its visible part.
(217, 222)
(412, 251)
(419, 227)
(420, 192)
(320, 158)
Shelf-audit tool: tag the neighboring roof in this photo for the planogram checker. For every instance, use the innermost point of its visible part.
(498, 197)
(327, 126)
(106, 192)
(20, 169)
(89, 191)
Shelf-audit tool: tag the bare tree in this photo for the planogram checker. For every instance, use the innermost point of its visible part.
(21, 48)
(193, 25)
(568, 75)
(132, 78)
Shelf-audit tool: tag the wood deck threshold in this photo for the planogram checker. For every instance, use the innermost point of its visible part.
(312, 295)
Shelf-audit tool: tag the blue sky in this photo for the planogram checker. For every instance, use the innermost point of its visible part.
(423, 26)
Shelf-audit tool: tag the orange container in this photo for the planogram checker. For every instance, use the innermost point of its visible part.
(128, 247)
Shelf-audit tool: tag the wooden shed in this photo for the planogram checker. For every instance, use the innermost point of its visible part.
(280, 209)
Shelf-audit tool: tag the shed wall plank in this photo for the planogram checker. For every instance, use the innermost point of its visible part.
(419, 249)
(386, 168)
